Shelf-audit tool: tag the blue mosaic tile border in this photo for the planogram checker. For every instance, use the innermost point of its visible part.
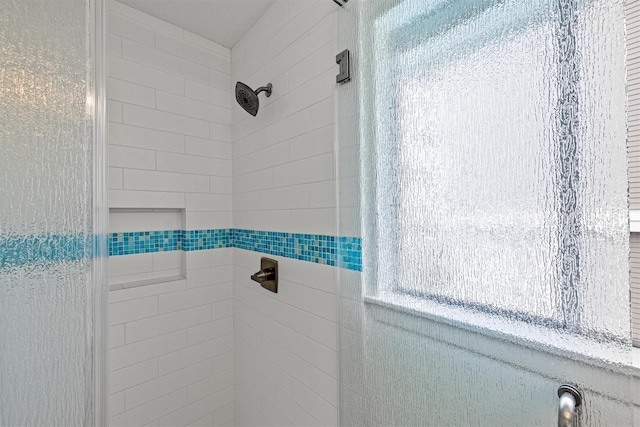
(344, 252)
(197, 240)
(142, 242)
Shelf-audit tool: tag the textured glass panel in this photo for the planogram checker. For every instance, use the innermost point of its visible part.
(500, 152)
(46, 140)
(482, 159)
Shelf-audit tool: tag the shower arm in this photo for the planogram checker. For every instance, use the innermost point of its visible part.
(266, 88)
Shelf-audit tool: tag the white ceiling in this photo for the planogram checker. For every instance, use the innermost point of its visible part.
(223, 21)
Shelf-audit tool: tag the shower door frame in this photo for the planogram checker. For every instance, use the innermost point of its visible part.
(98, 32)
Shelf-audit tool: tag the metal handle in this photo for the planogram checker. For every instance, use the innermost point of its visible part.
(570, 399)
(264, 275)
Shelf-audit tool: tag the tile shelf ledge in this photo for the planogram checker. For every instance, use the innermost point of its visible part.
(147, 282)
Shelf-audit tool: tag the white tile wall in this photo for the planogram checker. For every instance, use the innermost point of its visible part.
(284, 180)
(172, 346)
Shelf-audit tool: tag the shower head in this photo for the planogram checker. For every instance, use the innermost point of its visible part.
(248, 98)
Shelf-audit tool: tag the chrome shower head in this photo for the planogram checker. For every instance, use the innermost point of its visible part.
(248, 98)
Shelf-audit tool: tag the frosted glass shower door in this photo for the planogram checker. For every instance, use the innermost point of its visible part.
(52, 213)
(482, 160)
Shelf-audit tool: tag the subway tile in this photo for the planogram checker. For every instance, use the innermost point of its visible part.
(256, 320)
(314, 327)
(314, 143)
(222, 256)
(306, 95)
(207, 147)
(322, 194)
(165, 181)
(209, 202)
(199, 259)
(207, 44)
(315, 221)
(321, 277)
(224, 417)
(313, 169)
(294, 294)
(322, 32)
(116, 404)
(220, 132)
(131, 158)
(315, 353)
(131, 29)
(116, 336)
(193, 53)
(192, 108)
(198, 409)
(114, 111)
(150, 139)
(152, 410)
(206, 421)
(150, 390)
(274, 155)
(140, 220)
(146, 199)
(209, 385)
(208, 219)
(208, 94)
(194, 297)
(223, 361)
(286, 359)
(133, 72)
(172, 162)
(325, 386)
(155, 58)
(151, 21)
(165, 121)
(323, 304)
(142, 350)
(209, 276)
(114, 45)
(313, 65)
(126, 311)
(222, 309)
(220, 79)
(129, 376)
(193, 354)
(296, 413)
(253, 181)
(159, 325)
(290, 197)
(115, 178)
(131, 93)
(323, 411)
(211, 330)
(163, 261)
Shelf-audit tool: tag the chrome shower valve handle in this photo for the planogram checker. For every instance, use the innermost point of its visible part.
(570, 399)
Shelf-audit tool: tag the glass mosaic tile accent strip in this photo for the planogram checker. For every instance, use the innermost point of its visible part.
(196, 240)
(306, 247)
(343, 252)
(142, 242)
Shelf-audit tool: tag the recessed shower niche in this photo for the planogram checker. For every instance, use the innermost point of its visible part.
(144, 246)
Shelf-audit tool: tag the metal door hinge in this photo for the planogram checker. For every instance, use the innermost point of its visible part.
(343, 60)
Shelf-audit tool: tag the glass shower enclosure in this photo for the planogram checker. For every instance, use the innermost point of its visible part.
(52, 213)
(482, 161)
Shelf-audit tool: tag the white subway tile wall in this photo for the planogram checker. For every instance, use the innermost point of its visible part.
(284, 180)
(172, 346)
